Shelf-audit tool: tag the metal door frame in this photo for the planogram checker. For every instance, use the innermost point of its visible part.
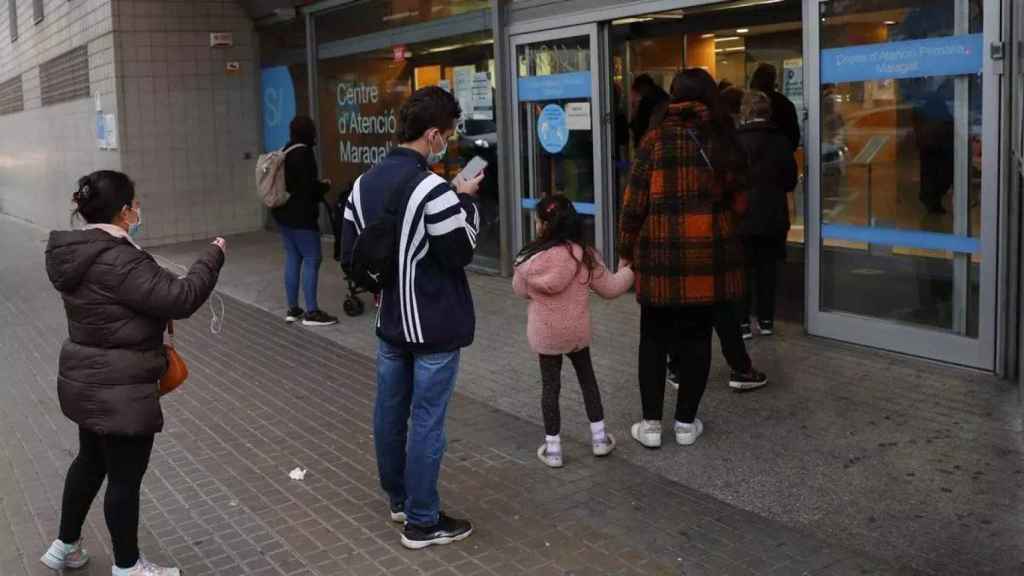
(596, 106)
(880, 333)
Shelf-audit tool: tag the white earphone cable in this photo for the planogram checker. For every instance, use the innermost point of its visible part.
(215, 302)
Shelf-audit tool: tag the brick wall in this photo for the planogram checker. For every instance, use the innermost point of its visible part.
(44, 150)
(188, 122)
(187, 128)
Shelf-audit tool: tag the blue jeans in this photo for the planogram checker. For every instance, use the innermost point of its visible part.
(409, 461)
(302, 259)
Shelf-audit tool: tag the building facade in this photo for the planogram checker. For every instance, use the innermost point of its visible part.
(906, 222)
(131, 85)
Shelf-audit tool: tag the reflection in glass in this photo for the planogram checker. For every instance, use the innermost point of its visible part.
(359, 98)
(901, 154)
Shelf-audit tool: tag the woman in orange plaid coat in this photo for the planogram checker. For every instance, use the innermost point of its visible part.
(678, 230)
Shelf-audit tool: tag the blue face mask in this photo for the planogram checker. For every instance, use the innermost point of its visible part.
(135, 227)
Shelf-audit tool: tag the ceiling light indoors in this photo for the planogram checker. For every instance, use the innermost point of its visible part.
(727, 39)
(706, 36)
(742, 30)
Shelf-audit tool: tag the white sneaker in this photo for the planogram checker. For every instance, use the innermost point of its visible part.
(398, 515)
(647, 433)
(687, 434)
(551, 460)
(145, 568)
(604, 448)
(61, 556)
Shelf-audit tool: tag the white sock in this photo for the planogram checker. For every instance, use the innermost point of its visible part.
(554, 444)
(597, 431)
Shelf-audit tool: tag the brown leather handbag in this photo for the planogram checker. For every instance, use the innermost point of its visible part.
(177, 370)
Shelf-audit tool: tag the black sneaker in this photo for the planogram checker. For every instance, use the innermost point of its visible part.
(745, 330)
(318, 318)
(766, 327)
(750, 380)
(294, 315)
(446, 531)
(398, 513)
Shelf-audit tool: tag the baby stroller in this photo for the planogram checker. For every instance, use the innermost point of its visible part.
(353, 305)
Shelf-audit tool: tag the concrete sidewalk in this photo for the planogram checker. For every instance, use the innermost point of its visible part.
(852, 462)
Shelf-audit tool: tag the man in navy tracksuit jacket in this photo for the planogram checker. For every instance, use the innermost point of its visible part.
(425, 317)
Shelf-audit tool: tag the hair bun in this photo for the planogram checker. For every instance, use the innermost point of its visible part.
(83, 194)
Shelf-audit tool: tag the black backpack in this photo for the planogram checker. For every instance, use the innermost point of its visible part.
(375, 253)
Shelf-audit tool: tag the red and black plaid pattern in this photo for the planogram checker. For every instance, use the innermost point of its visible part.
(677, 226)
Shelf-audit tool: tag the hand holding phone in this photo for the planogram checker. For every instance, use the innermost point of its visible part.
(474, 168)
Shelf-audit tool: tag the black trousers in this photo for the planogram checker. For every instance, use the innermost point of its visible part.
(122, 460)
(684, 332)
(727, 326)
(551, 378)
(763, 255)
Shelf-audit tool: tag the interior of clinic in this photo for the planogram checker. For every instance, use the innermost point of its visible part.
(887, 146)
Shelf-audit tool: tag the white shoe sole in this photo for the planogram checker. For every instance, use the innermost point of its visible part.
(290, 319)
(56, 564)
(398, 517)
(745, 386)
(417, 545)
(690, 438)
(602, 450)
(312, 323)
(549, 462)
(651, 443)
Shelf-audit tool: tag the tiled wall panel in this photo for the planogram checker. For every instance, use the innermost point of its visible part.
(191, 126)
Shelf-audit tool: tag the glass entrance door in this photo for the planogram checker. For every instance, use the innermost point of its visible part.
(904, 220)
(557, 126)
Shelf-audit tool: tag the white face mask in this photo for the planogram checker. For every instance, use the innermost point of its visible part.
(435, 157)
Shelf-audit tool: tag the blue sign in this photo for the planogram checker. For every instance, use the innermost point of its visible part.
(567, 86)
(278, 93)
(552, 130)
(946, 56)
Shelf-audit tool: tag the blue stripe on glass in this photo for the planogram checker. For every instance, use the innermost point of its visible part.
(904, 238)
(581, 207)
(946, 56)
(567, 86)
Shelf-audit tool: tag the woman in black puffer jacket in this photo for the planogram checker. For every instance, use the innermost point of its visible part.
(118, 301)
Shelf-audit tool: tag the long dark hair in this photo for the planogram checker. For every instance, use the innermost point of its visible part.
(696, 85)
(102, 195)
(562, 227)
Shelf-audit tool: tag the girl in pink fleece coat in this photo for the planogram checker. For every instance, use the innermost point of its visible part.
(556, 273)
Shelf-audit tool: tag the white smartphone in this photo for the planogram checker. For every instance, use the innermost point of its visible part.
(472, 169)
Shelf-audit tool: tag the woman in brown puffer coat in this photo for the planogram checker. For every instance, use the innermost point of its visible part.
(118, 301)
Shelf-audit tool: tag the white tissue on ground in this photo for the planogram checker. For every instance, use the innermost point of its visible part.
(297, 474)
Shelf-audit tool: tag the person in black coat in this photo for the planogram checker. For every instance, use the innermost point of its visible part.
(118, 302)
(299, 223)
(765, 79)
(773, 173)
(650, 102)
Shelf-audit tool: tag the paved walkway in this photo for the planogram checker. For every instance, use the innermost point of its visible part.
(853, 462)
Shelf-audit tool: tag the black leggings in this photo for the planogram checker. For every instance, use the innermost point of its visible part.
(763, 256)
(686, 333)
(727, 326)
(122, 460)
(551, 377)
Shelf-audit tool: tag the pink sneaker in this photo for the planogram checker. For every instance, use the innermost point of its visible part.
(61, 556)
